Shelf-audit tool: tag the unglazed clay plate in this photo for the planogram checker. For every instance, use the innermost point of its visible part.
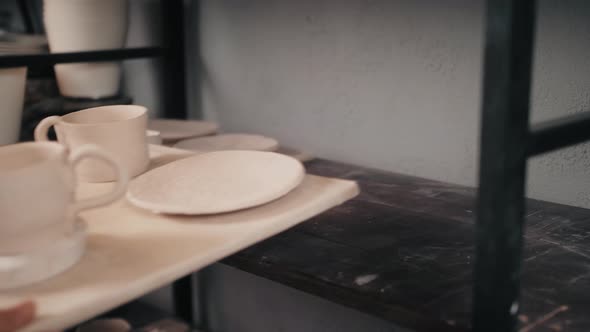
(216, 182)
(175, 130)
(229, 142)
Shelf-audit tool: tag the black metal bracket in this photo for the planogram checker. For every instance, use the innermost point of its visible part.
(555, 134)
(50, 59)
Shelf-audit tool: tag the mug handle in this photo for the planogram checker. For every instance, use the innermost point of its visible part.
(43, 127)
(121, 178)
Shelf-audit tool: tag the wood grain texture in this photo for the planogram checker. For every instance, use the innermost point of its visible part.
(403, 250)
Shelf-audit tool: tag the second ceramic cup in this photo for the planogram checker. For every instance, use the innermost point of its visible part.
(118, 129)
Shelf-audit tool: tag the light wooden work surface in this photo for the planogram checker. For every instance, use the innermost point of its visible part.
(132, 252)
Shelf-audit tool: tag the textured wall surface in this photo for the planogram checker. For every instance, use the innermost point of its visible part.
(562, 86)
(389, 84)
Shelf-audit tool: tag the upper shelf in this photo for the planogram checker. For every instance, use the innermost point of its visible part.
(49, 59)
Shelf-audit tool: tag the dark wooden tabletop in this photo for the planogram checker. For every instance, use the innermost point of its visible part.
(403, 251)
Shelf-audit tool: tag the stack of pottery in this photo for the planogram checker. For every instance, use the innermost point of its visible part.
(202, 136)
(86, 25)
(12, 83)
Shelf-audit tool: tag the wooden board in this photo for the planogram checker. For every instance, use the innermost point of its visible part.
(132, 252)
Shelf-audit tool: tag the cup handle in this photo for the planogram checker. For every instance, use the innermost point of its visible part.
(43, 128)
(121, 178)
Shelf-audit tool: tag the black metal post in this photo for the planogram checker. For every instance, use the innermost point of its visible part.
(203, 280)
(504, 135)
(175, 106)
(182, 292)
(27, 10)
(175, 102)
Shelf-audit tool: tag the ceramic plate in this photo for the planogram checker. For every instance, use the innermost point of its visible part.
(216, 182)
(229, 142)
(175, 130)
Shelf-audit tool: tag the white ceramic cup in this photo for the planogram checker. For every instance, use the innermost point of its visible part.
(12, 94)
(37, 200)
(85, 25)
(117, 129)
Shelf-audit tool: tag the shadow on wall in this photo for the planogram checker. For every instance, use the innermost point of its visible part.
(142, 78)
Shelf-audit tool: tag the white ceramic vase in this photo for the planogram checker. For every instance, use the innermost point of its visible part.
(12, 93)
(85, 25)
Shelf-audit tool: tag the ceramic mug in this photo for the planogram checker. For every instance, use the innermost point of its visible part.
(12, 94)
(37, 200)
(85, 25)
(117, 129)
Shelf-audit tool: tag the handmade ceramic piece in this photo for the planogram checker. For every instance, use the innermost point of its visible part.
(229, 142)
(22, 269)
(216, 182)
(174, 130)
(42, 174)
(75, 25)
(118, 129)
(153, 137)
(12, 93)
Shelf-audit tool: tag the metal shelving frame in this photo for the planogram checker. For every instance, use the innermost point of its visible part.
(507, 141)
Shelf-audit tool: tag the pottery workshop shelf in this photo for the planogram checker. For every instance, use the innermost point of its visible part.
(48, 59)
(132, 251)
(403, 250)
